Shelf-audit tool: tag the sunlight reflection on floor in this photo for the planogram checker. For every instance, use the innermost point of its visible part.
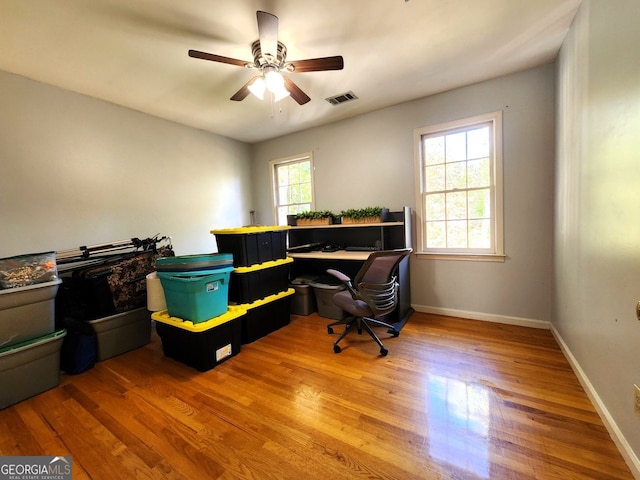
(459, 424)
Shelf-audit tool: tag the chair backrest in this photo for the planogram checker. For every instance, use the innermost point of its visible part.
(376, 283)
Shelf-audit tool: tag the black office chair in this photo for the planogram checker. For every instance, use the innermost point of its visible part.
(372, 295)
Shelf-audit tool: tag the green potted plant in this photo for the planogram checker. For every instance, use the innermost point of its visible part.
(315, 217)
(364, 215)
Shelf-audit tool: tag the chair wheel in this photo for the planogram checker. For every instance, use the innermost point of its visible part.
(395, 333)
(329, 329)
(337, 349)
(383, 352)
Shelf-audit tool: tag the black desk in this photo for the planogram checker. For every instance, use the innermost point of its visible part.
(389, 235)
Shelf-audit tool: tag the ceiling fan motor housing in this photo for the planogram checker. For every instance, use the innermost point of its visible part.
(260, 61)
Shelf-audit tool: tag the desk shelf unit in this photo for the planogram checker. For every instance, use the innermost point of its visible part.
(388, 235)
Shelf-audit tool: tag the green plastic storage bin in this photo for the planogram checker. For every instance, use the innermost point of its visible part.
(196, 296)
(191, 263)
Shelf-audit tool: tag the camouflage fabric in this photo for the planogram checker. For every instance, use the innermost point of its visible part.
(128, 279)
(116, 286)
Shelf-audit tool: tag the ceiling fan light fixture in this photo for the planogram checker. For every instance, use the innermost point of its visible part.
(258, 87)
(280, 94)
(274, 80)
(274, 83)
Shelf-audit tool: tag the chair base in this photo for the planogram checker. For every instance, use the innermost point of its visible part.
(361, 323)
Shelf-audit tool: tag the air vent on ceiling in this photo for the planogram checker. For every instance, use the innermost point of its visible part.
(341, 98)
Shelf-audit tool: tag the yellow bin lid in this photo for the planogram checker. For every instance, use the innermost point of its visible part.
(263, 266)
(250, 229)
(233, 312)
(265, 300)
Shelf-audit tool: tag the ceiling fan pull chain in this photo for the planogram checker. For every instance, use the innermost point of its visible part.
(271, 99)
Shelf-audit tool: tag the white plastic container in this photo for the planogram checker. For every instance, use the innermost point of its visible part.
(155, 294)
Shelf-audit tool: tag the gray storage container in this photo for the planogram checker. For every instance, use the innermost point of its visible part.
(304, 300)
(27, 312)
(324, 293)
(30, 368)
(117, 334)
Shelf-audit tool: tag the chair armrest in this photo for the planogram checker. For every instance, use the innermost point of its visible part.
(345, 280)
(339, 275)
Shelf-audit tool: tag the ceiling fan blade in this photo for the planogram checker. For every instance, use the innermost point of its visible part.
(218, 58)
(297, 94)
(318, 64)
(268, 30)
(244, 91)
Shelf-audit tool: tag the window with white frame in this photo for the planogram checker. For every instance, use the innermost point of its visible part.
(292, 186)
(459, 188)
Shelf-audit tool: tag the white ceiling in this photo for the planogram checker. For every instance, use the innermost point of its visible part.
(134, 52)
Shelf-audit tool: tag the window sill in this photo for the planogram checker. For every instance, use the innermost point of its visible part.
(472, 257)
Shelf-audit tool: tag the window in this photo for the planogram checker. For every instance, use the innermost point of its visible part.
(292, 185)
(459, 188)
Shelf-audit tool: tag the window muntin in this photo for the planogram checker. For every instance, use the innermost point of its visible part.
(292, 185)
(459, 186)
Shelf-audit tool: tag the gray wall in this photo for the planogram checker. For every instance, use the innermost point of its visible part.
(598, 204)
(78, 171)
(369, 160)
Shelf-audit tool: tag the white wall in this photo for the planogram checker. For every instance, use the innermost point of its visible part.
(368, 160)
(78, 171)
(598, 205)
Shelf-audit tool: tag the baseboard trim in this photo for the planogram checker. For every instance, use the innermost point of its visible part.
(618, 438)
(487, 317)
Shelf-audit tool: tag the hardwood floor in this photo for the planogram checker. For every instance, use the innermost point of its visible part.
(454, 399)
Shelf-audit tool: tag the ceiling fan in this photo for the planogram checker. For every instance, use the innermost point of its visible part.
(270, 58)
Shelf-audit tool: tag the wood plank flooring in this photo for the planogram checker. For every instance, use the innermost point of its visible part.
(454, 399)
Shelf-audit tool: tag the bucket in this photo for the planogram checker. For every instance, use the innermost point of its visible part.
(155, 293)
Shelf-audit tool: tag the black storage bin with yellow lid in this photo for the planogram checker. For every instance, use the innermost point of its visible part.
(266, 315)
(201, 345)
(248, 284)
(253, 245)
